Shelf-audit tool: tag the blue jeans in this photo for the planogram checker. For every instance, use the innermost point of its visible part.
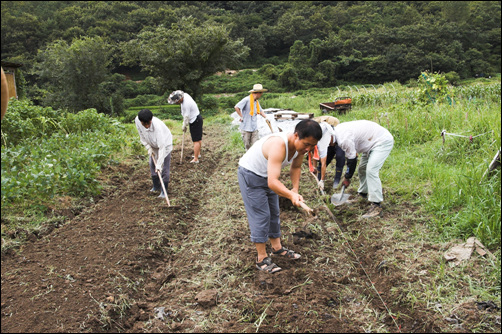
(339, 155)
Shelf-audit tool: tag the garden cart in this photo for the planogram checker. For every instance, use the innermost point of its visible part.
(341, 104)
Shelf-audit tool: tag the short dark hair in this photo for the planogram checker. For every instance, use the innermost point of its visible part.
(145, 115)
(308, 128)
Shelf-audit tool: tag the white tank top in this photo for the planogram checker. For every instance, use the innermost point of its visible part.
(254, 160)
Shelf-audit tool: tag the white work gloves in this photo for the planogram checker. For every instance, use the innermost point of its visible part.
(321, 184)
(158, 168)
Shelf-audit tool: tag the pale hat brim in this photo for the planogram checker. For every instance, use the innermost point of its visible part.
(331, 120)
(258, 88)
(175, 97)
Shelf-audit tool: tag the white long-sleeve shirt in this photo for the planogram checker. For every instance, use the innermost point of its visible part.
(360, 136)
(189, 109)
(158, 137)
(327, 134)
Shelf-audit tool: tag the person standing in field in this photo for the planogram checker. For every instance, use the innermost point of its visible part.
(248, 109)
(258, 174)
(328, 151)
(374, 143)
(191, 117)
(157, 139)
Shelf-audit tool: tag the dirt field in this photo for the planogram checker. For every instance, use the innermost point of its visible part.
(128, 263)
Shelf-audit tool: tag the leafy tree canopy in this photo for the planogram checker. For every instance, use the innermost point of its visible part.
(184, 54)
(74, 72)
(315, 43)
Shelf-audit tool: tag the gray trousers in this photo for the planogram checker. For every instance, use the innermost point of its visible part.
(262, 206)
(166, 169)
(369, 171)
(249, 138)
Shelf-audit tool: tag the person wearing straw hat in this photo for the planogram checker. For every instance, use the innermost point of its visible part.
(157, 139)
(191, 117)
(248, 109)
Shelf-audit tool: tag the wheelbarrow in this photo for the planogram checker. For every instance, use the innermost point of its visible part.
(341, 104)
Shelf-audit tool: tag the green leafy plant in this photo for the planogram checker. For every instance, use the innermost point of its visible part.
(433, 87)
(61, 154)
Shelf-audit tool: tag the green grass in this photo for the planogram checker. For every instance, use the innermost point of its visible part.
(446, 179)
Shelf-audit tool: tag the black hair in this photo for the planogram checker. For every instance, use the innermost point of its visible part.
(145, 115)
(308, 128)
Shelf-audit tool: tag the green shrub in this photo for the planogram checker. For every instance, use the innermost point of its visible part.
(433, 88)
(55, 153)
(145, 100)
(453, 78)
(25, 121)
(208, 103)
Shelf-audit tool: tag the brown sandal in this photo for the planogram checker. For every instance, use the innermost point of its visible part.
(289, 253)
(269, 266)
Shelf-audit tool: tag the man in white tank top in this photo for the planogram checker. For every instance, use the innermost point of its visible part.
(259, 173)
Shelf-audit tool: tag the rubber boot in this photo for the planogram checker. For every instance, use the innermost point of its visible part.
(156, 184)
(338, 176)
(162, 195)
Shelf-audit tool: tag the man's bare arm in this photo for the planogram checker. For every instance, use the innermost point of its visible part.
(275, 152)
(238, 111)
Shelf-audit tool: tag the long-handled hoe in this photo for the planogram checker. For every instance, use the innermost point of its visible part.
(182, 145)
(164, 187)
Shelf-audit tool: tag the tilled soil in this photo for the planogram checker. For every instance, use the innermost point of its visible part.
(129, 263)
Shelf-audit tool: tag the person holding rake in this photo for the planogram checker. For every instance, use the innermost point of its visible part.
(157, 139)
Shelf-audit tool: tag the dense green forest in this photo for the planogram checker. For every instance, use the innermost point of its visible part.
(74, 53)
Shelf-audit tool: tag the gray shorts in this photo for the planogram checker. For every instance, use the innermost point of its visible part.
(262, 206)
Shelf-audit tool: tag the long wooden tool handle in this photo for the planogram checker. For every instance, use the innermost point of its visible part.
(315, 178)
(161, 181)
(182, 145)
(306, 207)
(269, 125)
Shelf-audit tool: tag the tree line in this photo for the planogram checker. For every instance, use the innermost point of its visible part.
(70, 49)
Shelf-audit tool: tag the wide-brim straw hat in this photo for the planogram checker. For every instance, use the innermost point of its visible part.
(258, 88)
(175, 97)
(333, 121)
